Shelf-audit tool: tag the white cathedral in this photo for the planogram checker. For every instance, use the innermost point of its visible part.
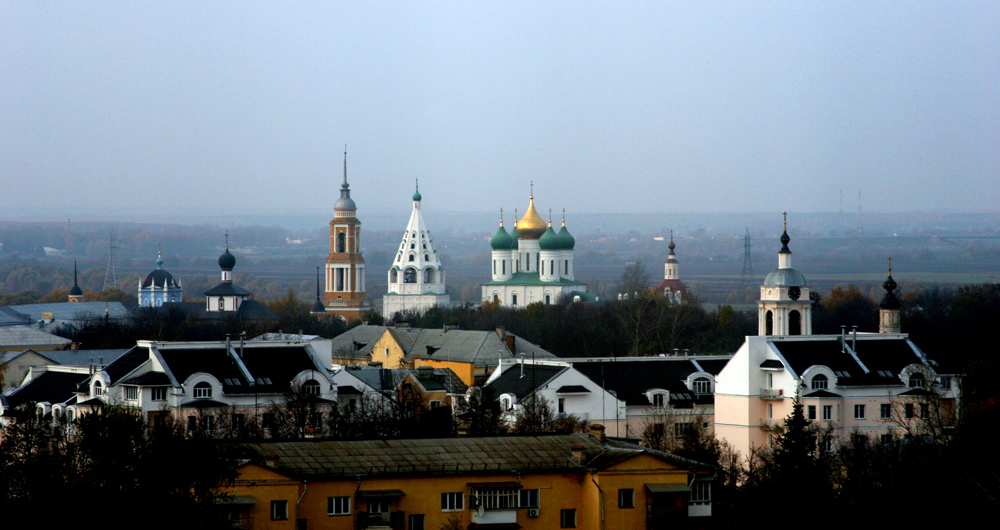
(416, 278)
(533, 263)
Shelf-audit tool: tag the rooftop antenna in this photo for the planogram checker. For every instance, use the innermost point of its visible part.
(747, 261)
(111, 272)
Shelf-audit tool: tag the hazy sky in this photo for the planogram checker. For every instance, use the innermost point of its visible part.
(119, 108)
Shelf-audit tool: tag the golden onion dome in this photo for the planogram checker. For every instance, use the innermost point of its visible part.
(531, 226)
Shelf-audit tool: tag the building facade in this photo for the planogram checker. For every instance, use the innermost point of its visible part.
(345, 265)
(416, 280)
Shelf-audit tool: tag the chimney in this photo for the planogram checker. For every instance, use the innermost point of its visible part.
(597, 431)
(578, 454)
(502, 332)
(509, 341)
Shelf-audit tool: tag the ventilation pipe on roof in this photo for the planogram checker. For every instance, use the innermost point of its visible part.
(854, 338)
(228, 344)
(242, 336)
(843, 339)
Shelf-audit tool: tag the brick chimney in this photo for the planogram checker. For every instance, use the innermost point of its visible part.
(578, 454)
(597, 431)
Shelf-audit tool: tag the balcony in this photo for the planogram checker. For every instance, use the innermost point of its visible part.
(772, 393)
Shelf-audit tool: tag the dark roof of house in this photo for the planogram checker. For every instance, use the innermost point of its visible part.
(535, 377)
(183, 362)
(24, 337)
(884, 358)
(10, 317)
(630, 379)
(51, 386)
(127, 362)
(148, 379)
(325, 460)
(279, 365)
(85, 357)
(73, 310)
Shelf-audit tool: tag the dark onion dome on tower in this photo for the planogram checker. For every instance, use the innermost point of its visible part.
(227, 261)
(513, 234)
(784, 276)
(889, 301)
(501, 240)
(531, 226)
(75, 290)
(550, 240)
(671, 257)
(159, 278)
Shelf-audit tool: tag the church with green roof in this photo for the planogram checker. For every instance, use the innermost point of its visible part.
(533, 263)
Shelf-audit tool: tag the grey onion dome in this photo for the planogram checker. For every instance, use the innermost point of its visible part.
(784, 243)
(501, 240)
(318, 307)
(159, 278)
(784, 278)
(550, 240)
(227, 261)
(345, 202)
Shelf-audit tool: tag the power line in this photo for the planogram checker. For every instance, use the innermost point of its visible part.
(111, 272)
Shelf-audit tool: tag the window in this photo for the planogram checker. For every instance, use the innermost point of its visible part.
(567, 518)
(770, 411)
(279, 510)
(239, 422)
(812, 412)
(417, 521)
(203, 390)
(192, 423)
(819, 382)
(859, 412)
(680, 429)
(132, 393)
(626, 498)
(208, 423)
(827, 412)
(701, 492)
(925, 411)
(885, 439)
(945, 382)
(341, 242)
(513, 299)
(310, 388)
(658, 400)
(434, 403)
(98, 388)
(562, 406)
(495, 498)
(917, 380)
(885, 411)
(452, 502)
(908, 408)
(702, 386)
(529, 499)
(378, 506)
(159, 394)
(338, 506)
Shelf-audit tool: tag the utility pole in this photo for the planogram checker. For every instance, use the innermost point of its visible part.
(111, 272)
(747, 262)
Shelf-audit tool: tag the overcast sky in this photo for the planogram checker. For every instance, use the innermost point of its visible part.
(122, 108)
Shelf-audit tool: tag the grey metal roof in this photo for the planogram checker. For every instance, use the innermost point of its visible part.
(73, 310)
(23, 337)
(784, 278)
(357, 340)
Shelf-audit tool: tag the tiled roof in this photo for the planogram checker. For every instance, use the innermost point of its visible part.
(23, 337)
(436, 457)
(51, 386)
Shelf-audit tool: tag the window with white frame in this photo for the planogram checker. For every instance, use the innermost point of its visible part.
(506, 403)
(452, 501)
(885, 411)
(917, 380)
(859, 412)
(885, 439)
(567, 518)
(310, 388)
(495, 498)
(658, 399)
(528, 499)
(827, 412)
(702, 385)
(925, 411)
(561, 406)
(98, 388)
(131, 393)
(159, 393)
(338, 505)
(701, 492)
(203, 390)
(820, 382)
(279, 510)
(945, 382)
(626, 498)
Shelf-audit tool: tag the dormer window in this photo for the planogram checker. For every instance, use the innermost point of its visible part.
(702, 385)
(820, 382)
(658, 400)
(310, 388)
(98, 388)
(917, 380)
(506, 403)
(202, 390)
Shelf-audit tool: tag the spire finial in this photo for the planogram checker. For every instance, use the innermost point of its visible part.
(515, 217)
(74, 271)
(344, 185)
(418, 184)
(227, 239)
(532, 195)
(890, 266)
(784, 236)
(564, 217)
(501, 217)
(785, 227)
(317, 282)
(550, 216)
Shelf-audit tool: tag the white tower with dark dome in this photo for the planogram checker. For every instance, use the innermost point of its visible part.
(784, 307)
(416, 278)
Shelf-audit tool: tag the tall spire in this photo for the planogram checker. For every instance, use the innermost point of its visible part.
(344, 185)
(75, 293)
